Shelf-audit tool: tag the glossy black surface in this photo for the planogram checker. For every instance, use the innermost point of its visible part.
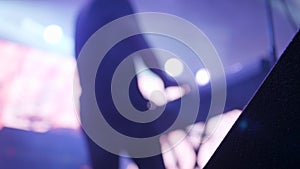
(266, 135)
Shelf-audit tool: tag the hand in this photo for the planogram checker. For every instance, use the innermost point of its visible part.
(182, 155)
(152, 86)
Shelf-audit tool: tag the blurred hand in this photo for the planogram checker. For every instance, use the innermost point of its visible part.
(153, 88)
(179, 147)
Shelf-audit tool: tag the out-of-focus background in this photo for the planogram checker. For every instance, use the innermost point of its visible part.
(37, 67)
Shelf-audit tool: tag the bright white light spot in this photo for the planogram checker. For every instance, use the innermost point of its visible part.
(53, 34)
(173, 67)
(202, 77)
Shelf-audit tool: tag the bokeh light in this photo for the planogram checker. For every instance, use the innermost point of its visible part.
(53, 34)
(202, 77)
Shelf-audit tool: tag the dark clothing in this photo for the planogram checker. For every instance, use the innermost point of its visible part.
(91, 18)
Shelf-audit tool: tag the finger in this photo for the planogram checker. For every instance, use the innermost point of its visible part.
(195, 132)
(184, 151)
(176, 92)
(167, 153)
(217, 132)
